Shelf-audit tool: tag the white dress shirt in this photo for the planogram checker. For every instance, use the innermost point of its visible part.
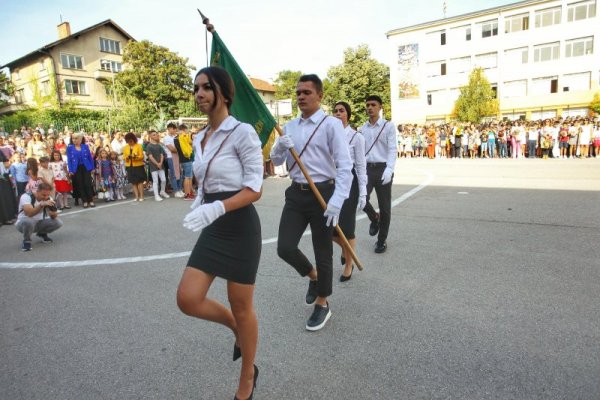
(326, 156)
(386, 147)
(238, 165)
(356, 145)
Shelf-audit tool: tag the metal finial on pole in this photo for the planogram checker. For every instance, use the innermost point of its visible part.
(445, 8)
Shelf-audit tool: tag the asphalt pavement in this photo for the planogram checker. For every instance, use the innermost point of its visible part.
(488, 290)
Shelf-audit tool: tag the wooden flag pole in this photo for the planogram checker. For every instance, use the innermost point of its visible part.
(210, 27)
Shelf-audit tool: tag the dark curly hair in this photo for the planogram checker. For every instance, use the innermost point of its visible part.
(130, 136)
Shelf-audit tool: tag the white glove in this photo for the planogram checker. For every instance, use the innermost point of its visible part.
(333, 214)
(198, 201)
(204, 215)
(362, 202)
(387, 177)
(282, 144)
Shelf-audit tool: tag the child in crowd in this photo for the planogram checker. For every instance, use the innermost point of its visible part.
(156, 157)
(120, 174)
(32, 173)
(62, 184)
(18, 171)
(105, 175)
(45, 174)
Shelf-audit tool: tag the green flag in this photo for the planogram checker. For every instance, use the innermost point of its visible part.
(247, 106)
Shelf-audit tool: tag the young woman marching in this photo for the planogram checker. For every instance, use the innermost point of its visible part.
(229, 170)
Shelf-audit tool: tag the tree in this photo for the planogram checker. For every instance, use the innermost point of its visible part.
(476, 100)
(154, 75)
(595, 104)
(6, 88)
(357, 77)
(285, 86)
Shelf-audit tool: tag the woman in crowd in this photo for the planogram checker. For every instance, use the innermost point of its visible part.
(81, 164)
(229, 170)
(8, 201)
(358, 191)
(133, 155)
(36, 147)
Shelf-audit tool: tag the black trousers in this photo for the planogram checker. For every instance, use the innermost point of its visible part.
(301, 209)
(384, 199)
(82, 180)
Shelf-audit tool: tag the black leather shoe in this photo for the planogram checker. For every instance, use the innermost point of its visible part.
(380, 247)
(253, 387)
(311, 293)
(347, 278)
(374, 227)
(237, 352)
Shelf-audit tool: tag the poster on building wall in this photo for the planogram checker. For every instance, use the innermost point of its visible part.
(408, 71)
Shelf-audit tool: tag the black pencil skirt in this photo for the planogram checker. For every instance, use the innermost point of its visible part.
(230, 247)
(347, 221)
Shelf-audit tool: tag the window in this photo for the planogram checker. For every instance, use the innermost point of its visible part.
(461, 64)
(515, 88)
(548, 16)
(75, 87)
(489, 28)
(579, 47)
(436, 68)
(516, 56)
(542, 86)
(581, 10)
(19, 95)
(42, 65)
(579, 81)
(16, 74)
(460, 33)
(45, 88)
(495, 90)
(443, 38)
(110, 46)
(108, 65)
(71, 61)
(546, 52)
(429, 102)
(487, 61)
(516, 23)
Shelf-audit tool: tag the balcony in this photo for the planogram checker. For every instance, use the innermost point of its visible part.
(103, 75)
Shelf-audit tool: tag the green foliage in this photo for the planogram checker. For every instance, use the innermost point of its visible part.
(357, 77)
(6, 88)
(595, 104)
(285, 86)
(476, 99)
(69, 115)
(155, 76)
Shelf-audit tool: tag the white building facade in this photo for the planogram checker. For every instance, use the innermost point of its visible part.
(539, 55)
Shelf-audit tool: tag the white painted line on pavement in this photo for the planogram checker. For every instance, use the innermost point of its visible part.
(126, 260)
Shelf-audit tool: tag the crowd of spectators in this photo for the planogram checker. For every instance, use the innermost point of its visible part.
(86, 167)
(551, 138)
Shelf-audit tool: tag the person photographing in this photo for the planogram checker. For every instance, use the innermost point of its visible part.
(37, 214)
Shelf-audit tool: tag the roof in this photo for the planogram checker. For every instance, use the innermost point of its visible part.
(261, 85)
(480, 13)
(47, 47)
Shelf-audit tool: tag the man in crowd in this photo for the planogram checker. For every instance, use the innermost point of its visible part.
(37, 214)
(173, 159)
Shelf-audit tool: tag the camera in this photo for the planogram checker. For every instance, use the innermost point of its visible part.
(52, 208)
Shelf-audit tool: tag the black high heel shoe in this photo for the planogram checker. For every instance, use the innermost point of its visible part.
(347, 278)
(237, 352)
(253, 387)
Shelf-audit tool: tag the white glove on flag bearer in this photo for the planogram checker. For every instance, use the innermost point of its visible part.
(333, 214)
(282, 144)
(204, 215)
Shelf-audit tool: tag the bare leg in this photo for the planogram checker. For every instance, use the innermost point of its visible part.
(241, 300)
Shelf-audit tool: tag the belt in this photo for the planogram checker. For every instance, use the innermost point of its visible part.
(376, 164)
(306, 186)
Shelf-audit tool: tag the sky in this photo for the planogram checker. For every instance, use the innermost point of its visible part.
(264, 36)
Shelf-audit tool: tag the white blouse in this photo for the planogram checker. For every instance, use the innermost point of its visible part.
(239, 163)
(356, 145)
